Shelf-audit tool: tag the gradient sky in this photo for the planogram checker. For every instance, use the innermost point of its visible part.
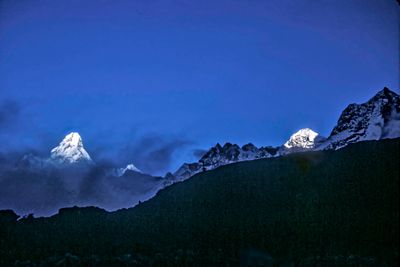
(156, 80)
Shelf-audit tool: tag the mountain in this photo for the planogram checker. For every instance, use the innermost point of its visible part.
(129, 168)
(121, 172)
(70, 151)
(376, 119)
(318, 208)
(42, 185)
(222, 155)
(303, 140)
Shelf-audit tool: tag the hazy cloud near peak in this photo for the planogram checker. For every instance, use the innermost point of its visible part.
(153, 153)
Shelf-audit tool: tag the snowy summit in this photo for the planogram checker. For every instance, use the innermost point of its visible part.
(71, 150)
(303, 139)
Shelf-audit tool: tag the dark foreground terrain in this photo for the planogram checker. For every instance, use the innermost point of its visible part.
(331, 208)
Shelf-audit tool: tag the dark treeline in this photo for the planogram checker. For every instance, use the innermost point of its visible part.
(330, 208)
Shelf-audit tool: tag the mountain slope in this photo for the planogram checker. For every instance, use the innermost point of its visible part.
(325, 208)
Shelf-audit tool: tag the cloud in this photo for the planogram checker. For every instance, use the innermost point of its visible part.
(91, 185)
(44, 191)
(153, 153)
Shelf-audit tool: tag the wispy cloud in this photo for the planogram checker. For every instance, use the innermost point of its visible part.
(153, 153)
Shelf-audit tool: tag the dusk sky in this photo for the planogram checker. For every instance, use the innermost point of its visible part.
(139, 77)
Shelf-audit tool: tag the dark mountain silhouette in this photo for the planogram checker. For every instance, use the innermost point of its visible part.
(321, 208)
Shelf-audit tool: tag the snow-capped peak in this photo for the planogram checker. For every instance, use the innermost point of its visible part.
(70, 150)
(303, 139)
(129, 167)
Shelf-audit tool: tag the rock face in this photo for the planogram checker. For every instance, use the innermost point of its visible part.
(70, 150)
(378, 118)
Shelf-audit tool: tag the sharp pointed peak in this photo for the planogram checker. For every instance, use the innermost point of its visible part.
(70, 150)
(74, 138)
(73, 134)
(385, 90)
(305, 131)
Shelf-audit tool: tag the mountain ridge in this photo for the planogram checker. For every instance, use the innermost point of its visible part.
(376, 119)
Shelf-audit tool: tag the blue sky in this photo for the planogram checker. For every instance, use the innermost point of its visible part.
(183, 75)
